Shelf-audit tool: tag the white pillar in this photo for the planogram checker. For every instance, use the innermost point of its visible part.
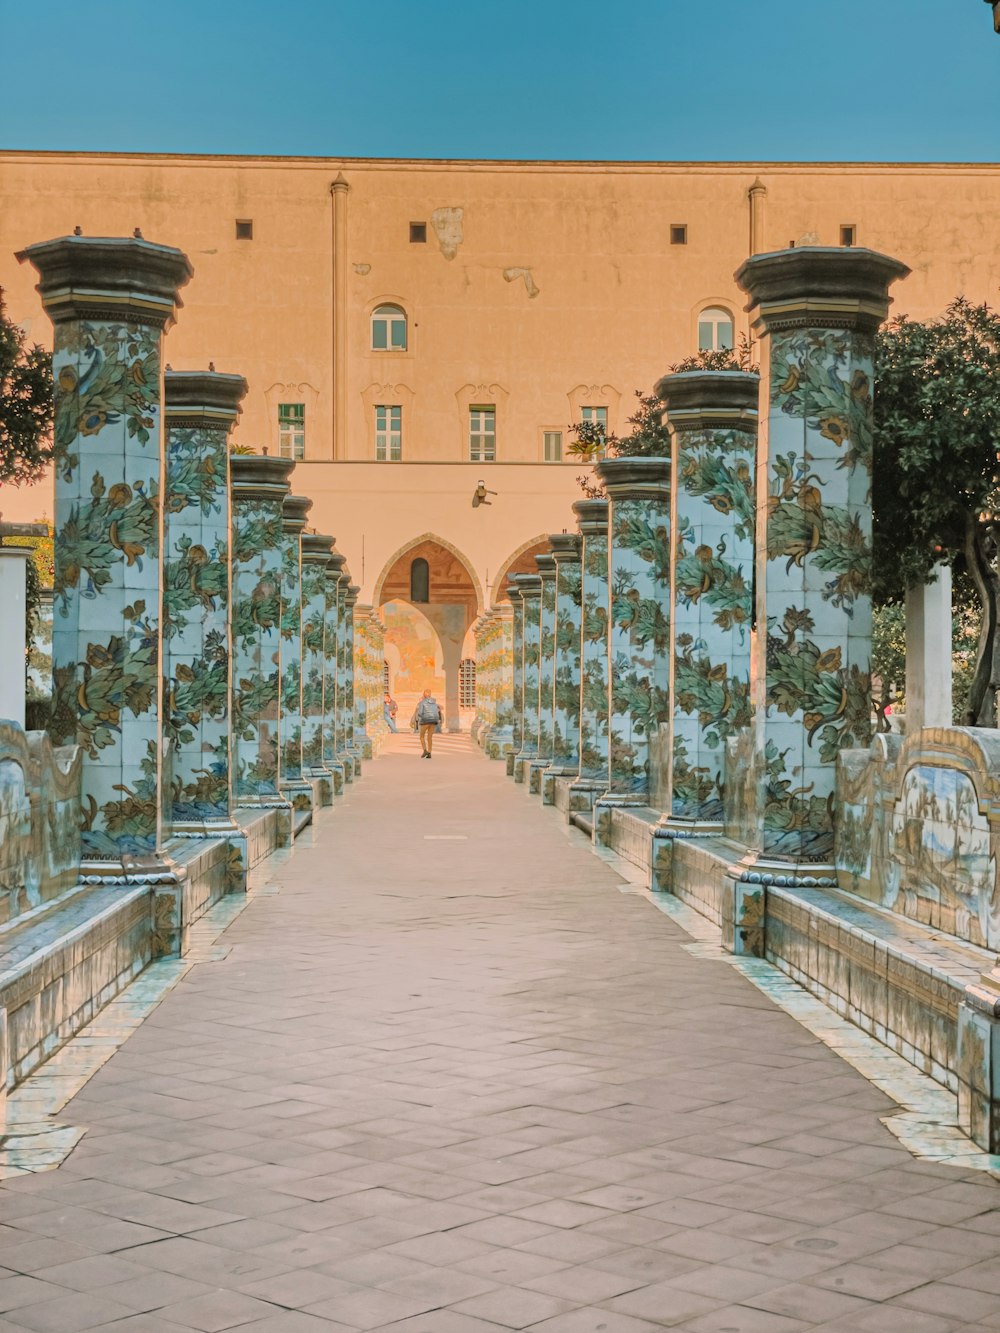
(928, 653)
(13, 573)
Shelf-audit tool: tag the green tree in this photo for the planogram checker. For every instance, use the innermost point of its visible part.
(936, 485)
(888, 660)
(25, 405)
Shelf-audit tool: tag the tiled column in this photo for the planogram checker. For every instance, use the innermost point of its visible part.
(201, 408)
(110, 300)
(516, 675)
(345, 710)
(351, 727)
(530, 586)
(566, 549)
(592, 521)
(316, 551)
(378, 728)
(639, 626)
(713, 421)
(332, 725)
(480, 630)
(291, 780)
(546, 670)
(259, 486)
(363, 679)
(816, 311)
(500, 737)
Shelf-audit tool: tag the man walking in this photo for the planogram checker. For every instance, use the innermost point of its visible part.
(427, 718)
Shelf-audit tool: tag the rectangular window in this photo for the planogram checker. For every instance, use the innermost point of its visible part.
(596, 414)
(678, 233)
(482, 433)
(244, 229)
(388, 434)
(848, 235)
(552, 446)
(418, 233)
(292, 430)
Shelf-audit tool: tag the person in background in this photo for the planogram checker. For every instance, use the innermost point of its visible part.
(389, 709)
(426, 719)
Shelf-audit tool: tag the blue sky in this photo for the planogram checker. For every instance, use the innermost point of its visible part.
(909, 80)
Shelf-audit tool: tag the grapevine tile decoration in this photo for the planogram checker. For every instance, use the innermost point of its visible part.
(332, 726)
(713, 416)
(639, 628)
(819, 309)
(354, 740)
(546, 654)
(259, 486)
(592, 520)
(530, 586)
(316, 551)
(517, 668)
(109, 300)
(290, 780)
(201, 409)
(566, 548)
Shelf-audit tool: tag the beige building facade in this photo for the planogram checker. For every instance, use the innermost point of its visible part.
(411, 328)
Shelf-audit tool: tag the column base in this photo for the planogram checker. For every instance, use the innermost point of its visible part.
(977, 1061)
(522, 758)
(223, 827)
(535, 768)
(583, 792)
(744, 931)
(497, 742)
(548, 781)
(324, 780)
(152, 868)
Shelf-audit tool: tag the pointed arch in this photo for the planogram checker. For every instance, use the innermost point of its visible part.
(428, 539)
(521, 561)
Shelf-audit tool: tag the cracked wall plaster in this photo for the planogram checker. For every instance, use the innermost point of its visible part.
(447, 225)
(512, 274)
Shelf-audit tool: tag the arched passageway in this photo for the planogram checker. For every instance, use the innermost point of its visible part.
(431, 597)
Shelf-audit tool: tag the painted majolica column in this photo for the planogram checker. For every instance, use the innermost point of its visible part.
(363, 678)
(546, 670)
(500, 736)
(201, 408)
(713, 420)
(351, 732)
(566, 550)
(259, 486)
(378, 727)
(290, 777)
(816, 311)
(639, 626)
(345, 712)
(592, 522)
(516, 674)
(332, 725)
(110, 300)
(530, 586)
(316, 551)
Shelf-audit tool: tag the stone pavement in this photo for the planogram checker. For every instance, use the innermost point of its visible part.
(450, 1080)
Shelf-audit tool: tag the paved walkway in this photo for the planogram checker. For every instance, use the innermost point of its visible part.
(450, 1080)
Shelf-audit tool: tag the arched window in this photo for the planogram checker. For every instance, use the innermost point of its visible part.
(420, 580)
(715, 329)
(389, 329)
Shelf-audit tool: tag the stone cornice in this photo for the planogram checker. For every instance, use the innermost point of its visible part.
(294, 509)
(109, 278)
(819, 286)
(257, 477)
(635, 478)
(565, 546)
(202, 399)
(591, 517)
(710, 399)
(316, 548)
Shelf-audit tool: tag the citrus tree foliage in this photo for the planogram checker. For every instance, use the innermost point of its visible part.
(649, 438)
(888, 660)
(25, 405)
(936, 483)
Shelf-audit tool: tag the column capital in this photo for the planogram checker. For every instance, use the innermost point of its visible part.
(316, 548)
(819, 286)
(528, 585)
(340, 185)
(565, 547)
(335, 566)
(294, 509)
(352, 596)
(546, 565)
(635, 478)
(257, 477)
(513, 590)
(109, 277)
(710, 399)
(591, 517)
(200, 399)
